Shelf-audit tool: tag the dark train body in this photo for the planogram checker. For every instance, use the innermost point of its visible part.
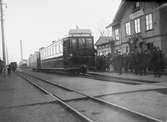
(72, 53)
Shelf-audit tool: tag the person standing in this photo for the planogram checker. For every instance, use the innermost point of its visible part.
(9, 69)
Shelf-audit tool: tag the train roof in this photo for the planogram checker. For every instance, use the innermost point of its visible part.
(73, 33)
(51, 44)
(80, 32)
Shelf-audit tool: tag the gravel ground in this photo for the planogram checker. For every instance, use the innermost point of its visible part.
(38, 113)
(102, 113)
(15, 91)
(62, 93)
(91, 86)
(151, 103)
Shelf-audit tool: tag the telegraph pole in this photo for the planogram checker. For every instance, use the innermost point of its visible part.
(3, 37)
(21, 50)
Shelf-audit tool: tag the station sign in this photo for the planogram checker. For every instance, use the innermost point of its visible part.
(136, 14)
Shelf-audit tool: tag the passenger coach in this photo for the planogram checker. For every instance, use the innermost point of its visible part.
(73, 53)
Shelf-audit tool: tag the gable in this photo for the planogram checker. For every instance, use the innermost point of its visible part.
(103, 40)
(119, 13)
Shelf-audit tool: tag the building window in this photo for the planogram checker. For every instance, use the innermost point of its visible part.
(149, 22)
(137, 5)
(116, 34)
(137, 25)
(127, 26)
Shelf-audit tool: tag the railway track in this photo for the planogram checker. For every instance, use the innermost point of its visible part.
(118, 80)
(108, 78)
(70, 108)
(88, 108)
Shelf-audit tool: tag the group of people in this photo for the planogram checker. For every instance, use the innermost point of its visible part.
(148, 61)
(8, 68)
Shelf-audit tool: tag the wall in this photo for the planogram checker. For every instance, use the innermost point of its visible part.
(163, 29)
(153, 35)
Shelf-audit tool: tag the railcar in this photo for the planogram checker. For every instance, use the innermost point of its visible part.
(74, 53)
(34, 61)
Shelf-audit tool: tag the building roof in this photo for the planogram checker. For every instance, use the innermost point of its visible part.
(122, 8)
(163, 6)
(118, 14)
(103, 40)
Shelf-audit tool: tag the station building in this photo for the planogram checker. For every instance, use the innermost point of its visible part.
(104, 45)
(143, 22)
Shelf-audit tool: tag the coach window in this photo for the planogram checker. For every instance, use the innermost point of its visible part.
(46, 52)
(53, 49)
(73, 43)
(61, 47)
(89, 43)
(81, 42)
(56, 48)
(50, 51)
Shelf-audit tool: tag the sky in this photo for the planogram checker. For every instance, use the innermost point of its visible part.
(38, 22)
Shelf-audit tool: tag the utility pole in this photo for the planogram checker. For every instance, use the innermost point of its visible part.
(21, 50)
(3, 37)
(7, 58)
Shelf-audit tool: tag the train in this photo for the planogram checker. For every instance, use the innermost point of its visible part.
(74, 53)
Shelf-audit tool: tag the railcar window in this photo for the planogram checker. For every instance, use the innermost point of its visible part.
(61, 47)
(52, 50)
(81, 42)
(49, 51)
(89, 43)
(57, 48)
(46, 52)
(73, 43)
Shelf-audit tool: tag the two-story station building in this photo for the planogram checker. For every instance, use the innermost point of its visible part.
(143, 22)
